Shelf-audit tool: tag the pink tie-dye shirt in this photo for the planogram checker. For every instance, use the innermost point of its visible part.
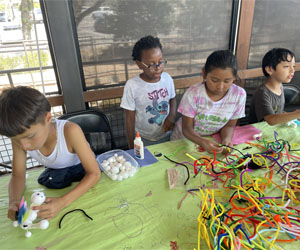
(209, 116)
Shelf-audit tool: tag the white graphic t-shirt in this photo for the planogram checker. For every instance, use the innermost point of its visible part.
(150, 101)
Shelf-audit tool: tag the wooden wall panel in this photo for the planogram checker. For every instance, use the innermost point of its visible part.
(244, 33)
(112, 93)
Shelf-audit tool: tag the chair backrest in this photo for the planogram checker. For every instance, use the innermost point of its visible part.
(291, 92)
(96, 128)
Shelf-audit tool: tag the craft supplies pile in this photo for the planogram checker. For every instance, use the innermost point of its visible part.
(260, 207)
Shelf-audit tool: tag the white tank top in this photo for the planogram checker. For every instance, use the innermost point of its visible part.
(60, 157)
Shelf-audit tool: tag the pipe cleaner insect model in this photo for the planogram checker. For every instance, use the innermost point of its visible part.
(27, 216)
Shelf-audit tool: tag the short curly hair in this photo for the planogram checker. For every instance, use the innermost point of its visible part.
(147, 42)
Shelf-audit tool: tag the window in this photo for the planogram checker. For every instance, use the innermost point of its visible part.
(24, 57)
(24, 52)
(189, 31)
(275, 24)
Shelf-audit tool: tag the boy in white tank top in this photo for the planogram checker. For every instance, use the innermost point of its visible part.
(60, 146)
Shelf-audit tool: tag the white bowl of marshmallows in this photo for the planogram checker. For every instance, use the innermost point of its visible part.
(117, 164)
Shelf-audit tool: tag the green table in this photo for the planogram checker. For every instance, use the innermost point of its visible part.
(138, 213)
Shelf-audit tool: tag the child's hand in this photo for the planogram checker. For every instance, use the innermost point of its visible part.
(226, 142)
(210, 146)
(13, 208)
(168, 125)
(49, 210)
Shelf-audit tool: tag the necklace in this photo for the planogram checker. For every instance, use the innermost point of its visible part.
(45, 159)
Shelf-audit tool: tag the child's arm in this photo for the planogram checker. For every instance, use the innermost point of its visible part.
(129, 127)
(227, 132)
(17, 181)
(76, 139)
(170, 120)
(265, 111)
(189, 132)
(274, 119)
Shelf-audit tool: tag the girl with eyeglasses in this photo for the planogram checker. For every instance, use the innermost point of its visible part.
(149, 98)
(212, 106)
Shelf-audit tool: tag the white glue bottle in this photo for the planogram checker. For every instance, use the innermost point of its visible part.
(138, 147)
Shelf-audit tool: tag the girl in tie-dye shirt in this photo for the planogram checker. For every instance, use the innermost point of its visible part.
(212, 106)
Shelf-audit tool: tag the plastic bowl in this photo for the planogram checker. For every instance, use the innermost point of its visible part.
(117, 164)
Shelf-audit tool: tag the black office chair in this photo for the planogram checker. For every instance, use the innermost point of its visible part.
(291, 92)
(96, 128)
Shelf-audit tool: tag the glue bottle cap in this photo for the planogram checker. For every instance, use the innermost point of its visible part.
(137, 134)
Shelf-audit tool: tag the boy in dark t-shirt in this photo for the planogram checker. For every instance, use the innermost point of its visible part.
(268, 100)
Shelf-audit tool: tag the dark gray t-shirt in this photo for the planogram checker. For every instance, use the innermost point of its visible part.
(265, 102)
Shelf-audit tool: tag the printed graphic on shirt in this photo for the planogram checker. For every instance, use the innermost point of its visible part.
(159, 108)
(207, 123)
(212, 118)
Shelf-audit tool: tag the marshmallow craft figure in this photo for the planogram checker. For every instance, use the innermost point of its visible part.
(27, 216)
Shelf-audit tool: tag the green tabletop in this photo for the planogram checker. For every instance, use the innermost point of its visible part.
(138, 213)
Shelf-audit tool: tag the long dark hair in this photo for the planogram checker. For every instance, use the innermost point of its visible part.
(221, 59)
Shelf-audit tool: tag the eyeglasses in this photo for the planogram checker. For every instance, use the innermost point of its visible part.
(153, 67)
